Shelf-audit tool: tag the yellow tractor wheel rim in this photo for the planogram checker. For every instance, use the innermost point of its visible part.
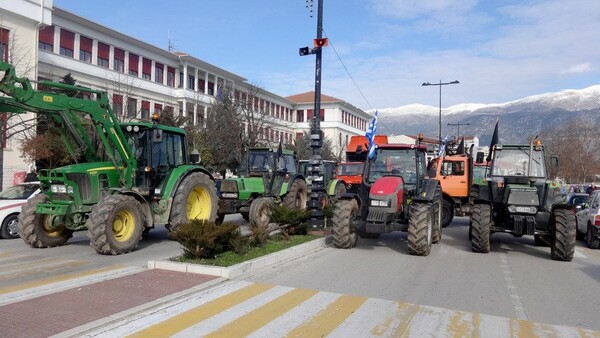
(123, 225)
(198, 204)
(48, 229)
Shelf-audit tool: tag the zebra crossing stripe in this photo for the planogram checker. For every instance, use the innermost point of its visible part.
(265, 314)
(180, 322)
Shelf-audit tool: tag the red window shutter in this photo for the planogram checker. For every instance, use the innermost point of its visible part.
(159, 65)
(133, 62)
(147, 66)
(67, 39)
(146, 105)
(47, 35)
(309, 114)
(103, 50)
(85, 43)
(322, 114)
(157, 107)
(119, 54)
(117, 98)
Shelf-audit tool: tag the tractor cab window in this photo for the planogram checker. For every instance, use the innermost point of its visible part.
(169, 151)
(290, 164)
(453, 168)
(397, 162)
(479, 172)
(349, 169)
(260, 161)
(515, 162)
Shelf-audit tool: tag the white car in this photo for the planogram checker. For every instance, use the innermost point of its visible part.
(588, 221)
(11, 201)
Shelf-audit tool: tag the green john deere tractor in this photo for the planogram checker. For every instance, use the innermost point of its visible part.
(125, 177)
(267, 176)
(519, 200)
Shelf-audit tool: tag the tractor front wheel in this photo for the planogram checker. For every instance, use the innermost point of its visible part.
(115, 225)
(296, 196)
(37, 230)
(420, 229)
(195, 198)
(437, 213)
(260, 212)
(479, 228)
(343, 212)
(447, 213)
(562, 247)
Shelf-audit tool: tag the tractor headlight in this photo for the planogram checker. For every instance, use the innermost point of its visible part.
(380, 203)
(522, 209)
(229, 195)
(61, 189)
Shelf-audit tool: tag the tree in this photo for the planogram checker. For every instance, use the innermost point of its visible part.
(303, 150)
(249, 104)
(223, 136)
(576, 144)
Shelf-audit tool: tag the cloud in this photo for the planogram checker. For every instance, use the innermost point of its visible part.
(579, 69)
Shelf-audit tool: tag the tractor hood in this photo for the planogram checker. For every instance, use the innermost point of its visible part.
(517, 194)
(388, 191)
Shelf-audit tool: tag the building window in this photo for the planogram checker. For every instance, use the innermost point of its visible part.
(119, 60)
(103, 54)
(146, 69)
(46, 38)
(133, 64)
(158, 72)
(300, 116)
(131, 107)
(201, 85)
(170, 76)
(85, 49)
(191, 82)
(145, 110)
(158, 108)
(118, 104)
(4, 37)
(67, 40)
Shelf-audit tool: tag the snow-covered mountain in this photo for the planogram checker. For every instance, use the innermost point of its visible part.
(519, 120)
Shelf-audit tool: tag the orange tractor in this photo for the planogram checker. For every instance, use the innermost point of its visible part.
(351, 171)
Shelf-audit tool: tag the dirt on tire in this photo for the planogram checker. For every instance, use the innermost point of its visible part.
(34, 228)
(341, 234)
(420, 229)
(479, 228)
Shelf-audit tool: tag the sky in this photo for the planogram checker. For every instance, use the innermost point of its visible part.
(380, 51)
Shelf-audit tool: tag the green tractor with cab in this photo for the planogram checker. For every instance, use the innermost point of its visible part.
(125, 179)
(267, 176)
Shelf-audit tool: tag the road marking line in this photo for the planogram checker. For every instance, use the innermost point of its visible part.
(263, 315)
(191, 317)
(329, 318)
(30, 270)
(56, 279)
(515, 298)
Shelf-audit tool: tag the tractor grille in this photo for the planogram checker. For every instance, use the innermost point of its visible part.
(376, 216)
(83, 183)
(523, 197)
(524, 225)
(228, 186)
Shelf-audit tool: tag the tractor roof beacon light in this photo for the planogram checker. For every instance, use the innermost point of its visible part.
(155, 117)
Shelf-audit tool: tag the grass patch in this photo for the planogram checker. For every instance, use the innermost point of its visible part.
(229, 258)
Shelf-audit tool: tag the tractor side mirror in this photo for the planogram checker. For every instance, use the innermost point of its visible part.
(554, 161)
(195, 156)
(480, 156)
(157, 135)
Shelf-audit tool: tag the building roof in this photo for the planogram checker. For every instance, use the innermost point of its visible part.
(309, 97)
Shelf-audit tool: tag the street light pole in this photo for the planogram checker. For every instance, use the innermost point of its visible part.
(458, 127)
(440, 84)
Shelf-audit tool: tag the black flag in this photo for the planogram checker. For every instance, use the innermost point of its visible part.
(461, 147)
(494, 141)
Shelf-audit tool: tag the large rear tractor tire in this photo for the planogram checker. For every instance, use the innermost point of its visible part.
(436, 237)
(420, 229)
(115, 225)
(36, 229)
(447, 213)
(297, 195)
(563, 244)
(479, 228)
(343, 212)
(340, 189)
(195, 198)
(260, 212)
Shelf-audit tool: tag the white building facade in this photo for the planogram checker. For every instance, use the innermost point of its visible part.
(141, 78)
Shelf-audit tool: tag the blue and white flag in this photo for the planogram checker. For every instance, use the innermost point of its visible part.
(370, 134)
(442, 150)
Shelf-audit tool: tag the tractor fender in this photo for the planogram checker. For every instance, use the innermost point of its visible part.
(177, 175)
(332, 184)
(427, 191)
(285, 188)
(149, 223)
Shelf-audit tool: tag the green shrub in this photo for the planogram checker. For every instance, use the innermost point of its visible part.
(282, 215)
(259, 235)
(203, 239)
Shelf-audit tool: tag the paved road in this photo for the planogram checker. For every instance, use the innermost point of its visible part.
(376, 289)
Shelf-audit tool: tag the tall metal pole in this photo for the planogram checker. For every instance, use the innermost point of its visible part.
(316, 162)
(440, 84)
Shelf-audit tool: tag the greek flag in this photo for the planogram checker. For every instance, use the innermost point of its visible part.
(370, 134)
(442, 150)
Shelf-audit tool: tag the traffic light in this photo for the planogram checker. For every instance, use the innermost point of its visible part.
(324, 42)
(304, 51)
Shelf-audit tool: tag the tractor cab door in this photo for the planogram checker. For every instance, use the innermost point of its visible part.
(454, 176)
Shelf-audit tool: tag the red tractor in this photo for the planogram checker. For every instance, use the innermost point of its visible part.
(395, 195)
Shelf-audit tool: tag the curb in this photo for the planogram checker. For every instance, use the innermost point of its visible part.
(244, 267)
